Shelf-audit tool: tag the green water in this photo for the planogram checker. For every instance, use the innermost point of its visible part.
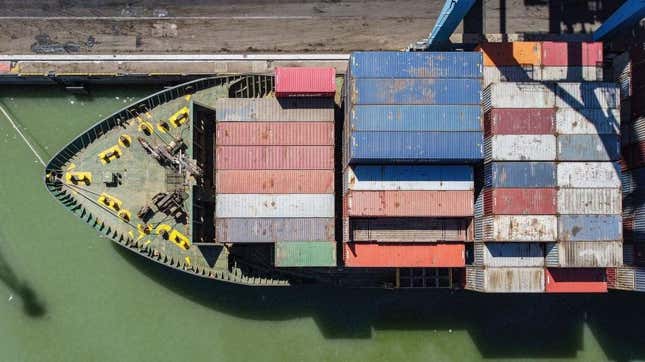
(68, 295)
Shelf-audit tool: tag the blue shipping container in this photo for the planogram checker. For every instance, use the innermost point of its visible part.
(413, 173)
(415, 118)
(590, 227)
(520, 174)
(440, 147)
(416, 64)
(415, 91)
(588, 147)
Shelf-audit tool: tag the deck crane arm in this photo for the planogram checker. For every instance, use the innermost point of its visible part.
(451, 15)
(626, 15)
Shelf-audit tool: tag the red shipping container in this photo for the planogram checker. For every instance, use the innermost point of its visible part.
(275, 133)
(562, 54)
(274, 157)
(404, 255)
(628, 228)
(519, 121)
(410, 203)
(5, 67)
(520, 201)
(611, 277)
(572, 280)
(305, 81)
(274, 182)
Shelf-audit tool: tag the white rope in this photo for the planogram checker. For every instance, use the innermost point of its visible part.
(22, 135)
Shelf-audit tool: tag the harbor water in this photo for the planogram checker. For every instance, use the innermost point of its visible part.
(67, 294)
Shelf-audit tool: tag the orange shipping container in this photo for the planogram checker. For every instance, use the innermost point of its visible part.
(511, 54)
(274, 181)
(409, 203)
(275, 133)
(404, 255)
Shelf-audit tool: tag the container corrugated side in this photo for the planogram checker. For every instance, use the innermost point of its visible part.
(633, 132)
(415, 91)
(274, 157)
(443, 118)
(588, 174)
(275, 110)
(572, 280)
(396, 64)
(305, 254)
(508, 255)
(505, 280)
(263, 205)
(525, 73)
(633, 155)
(639, 279)
(520, 148)
(587, 95)
(511, 53)
(404, 255)
(529, 201)
(572, 53)
(408, 230)
(572, 74)
(409, 203)
(624, 278)
(520, 174)
(274, 133)
(588, 147)
(517, 228)
(633, 180)
(517, 95)
(271, 230)
(421, 177)
(590, 227)
(589, 201)
(529, 73)
(517, 121)
(274, 181)
(388, 147)
(587, 121)
(305, 81)
(584, 254)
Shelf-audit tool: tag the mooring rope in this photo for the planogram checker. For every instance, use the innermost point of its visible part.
(21, 135)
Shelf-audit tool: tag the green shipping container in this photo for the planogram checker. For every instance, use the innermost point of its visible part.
(305, 254)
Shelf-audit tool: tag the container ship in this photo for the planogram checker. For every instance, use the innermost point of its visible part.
(505, 169)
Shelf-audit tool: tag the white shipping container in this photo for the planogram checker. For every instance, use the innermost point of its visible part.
(509, 254)
(527, 73)
(589, 201)
(505, 280)
(271, 205)
(409, 180)
(518, 95)
(587, 121)
(588, 174)
(584, 254)
(520, 148)
(587, 95)
(517, 228)
(571, 74)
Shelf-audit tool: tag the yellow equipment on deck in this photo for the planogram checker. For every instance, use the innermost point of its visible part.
(78, 177)
(110, 154)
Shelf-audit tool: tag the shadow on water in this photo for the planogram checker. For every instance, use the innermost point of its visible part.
(539, 326)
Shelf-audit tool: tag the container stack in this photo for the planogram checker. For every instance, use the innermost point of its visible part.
(275, 169)
(412, 129)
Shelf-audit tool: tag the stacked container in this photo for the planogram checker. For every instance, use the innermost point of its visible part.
(412, 127)
(275, 172)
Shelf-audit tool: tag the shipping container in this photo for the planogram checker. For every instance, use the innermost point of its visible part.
(520, 174)
(518, 95)
(639, 279)
(633, 181)
(409, 230)
(572, 280)
(274, 134)
(520, 148)
(588, 147)
(621, 278)
(590, 227)
(572, 54)
(588, 174)
(590, 201)
(516, 228)
(508, 255)
(524, 73)
(634, 155)
(517, 121)
(587, 95)
(438, 118)
(272, 230)
(531, 73)
(274, 157)
(633, 132)
(296, 254)
(572, 74)
(263, 205)
(505, 280)
(534, 201)
(421, 177)
(511, 53)
(376, 255)
(409, 203)
(396, 64)
(275, 110)
(438, 147)
(305, 81)
(587, 121)
(584, 254)
(415, 91)
(274, 181)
